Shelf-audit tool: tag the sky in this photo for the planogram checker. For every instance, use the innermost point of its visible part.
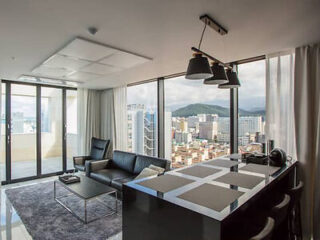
(180, 92)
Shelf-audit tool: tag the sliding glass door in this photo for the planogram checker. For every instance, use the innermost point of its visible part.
(3, 139)
(72, 131)
(35, 136)
(51, 130)
(23, 131)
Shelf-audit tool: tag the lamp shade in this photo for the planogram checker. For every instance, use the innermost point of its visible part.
(198, 68)
(219, 75)
(233, 80)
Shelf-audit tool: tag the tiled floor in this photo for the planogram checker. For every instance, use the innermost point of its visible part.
(12, 227)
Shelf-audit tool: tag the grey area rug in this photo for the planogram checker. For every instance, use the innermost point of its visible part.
(46, 219)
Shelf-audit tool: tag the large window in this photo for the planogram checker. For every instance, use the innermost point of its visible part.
(252, 102)
(197, 121)
(51, 129)
(38, 130)
(3, 133)
(72, 131)
(142, 119)
(23, 131)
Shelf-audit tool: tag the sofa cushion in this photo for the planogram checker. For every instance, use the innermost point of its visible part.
(145, 161)
(107, 175)
(124, 160)
(118, 182)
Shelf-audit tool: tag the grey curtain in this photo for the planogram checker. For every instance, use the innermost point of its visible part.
(88, 118)
(307, 119)
(107, 118)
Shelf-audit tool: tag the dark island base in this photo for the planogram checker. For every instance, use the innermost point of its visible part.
(151, 218)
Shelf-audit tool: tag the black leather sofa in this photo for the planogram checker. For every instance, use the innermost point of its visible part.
(124, 167)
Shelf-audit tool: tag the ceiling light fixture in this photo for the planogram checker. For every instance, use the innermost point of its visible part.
(233, 80)
(219, 75)
(198, 65)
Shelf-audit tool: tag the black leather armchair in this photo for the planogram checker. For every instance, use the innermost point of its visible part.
(99, 148)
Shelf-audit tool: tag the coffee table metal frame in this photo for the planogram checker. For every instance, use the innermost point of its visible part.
(85, 220)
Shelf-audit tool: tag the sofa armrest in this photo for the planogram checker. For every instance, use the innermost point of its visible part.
(80, 160)
(168, 166)
(95, 165)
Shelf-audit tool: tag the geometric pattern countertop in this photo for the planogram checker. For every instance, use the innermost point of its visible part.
(214, 188)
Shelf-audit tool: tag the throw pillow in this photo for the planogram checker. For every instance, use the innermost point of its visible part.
(147, 172)
(160, 170)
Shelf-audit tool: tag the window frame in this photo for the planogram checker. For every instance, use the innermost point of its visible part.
(234, 106)
(8, 164)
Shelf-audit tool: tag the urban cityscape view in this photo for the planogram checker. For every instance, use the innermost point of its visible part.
(197, 117)
(194, 138)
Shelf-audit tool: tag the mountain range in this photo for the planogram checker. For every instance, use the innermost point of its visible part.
(199, 108)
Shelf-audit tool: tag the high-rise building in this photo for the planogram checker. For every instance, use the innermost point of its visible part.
(142, 130)
(183, 125)
(202, 117)
(224, 125)
(168, 134)
(250, 125)
(182, 137)
(208, 130)
(192, 121)
(212, 117)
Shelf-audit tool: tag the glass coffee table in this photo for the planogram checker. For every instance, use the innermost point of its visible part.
(87, 190)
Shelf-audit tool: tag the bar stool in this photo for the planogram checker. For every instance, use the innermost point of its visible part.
(280, 215)
(295, 228)
(266, 232)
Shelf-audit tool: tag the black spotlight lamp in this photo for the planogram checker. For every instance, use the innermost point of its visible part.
(198, 68)
(233, 80)
(219, 75)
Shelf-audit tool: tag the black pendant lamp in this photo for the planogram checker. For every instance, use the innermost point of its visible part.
(219, 75)
(233, 80)
(198, 68)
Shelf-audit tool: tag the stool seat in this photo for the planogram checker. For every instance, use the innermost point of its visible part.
(295, 228)
(279, 213)
(266, 232)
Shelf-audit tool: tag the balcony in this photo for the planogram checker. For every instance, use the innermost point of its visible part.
(23, 154)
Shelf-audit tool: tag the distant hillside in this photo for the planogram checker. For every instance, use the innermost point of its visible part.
(199, 108)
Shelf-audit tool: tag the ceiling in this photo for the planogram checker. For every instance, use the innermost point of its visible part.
(33, 30)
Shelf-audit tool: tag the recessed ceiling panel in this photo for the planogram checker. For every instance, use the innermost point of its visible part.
(124, 60)
(100, 69)
(61, 61)
(51, 72)
(87, 50)
(83, 76)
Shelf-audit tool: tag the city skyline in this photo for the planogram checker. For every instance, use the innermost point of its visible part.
(180, 92)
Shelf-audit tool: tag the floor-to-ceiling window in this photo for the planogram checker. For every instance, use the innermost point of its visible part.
(51, 130)
(142, 119)
(252, 102)
(3, 133)
(197, 121)
(23, 131)
(72, 131)
(38, 130)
